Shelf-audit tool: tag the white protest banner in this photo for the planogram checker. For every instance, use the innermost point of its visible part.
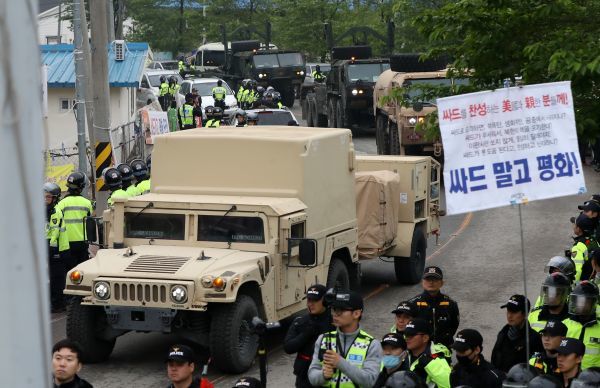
(509, 146)
(159, 123)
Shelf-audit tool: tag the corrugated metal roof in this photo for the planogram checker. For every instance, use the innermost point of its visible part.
(126, 73)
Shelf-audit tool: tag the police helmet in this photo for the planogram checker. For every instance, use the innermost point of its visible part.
(269, 95)
(260, 90)
(126, 172)
(247, 382)
(317, 68)
(149, 163)
(52, 189)
(588, 378)
(245, 82)
(217, 112)
(241, 113)
(555, 289)
(270, 89)
(519, 376)
(563, 264)
(209, 110)
(76, 181)
(220, 82)
(276, 96)
(408, 379)
(140, 171)
(583, 299)
(173, 79)
(253, 83)
(163, 79)
(544, 381)
(189, 97)
(252, 117)
(112, 178)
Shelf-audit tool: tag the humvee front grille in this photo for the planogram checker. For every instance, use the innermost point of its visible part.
(157, 264)
(129, 292)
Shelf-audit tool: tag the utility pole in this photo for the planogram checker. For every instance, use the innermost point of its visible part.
(78, 56)
(25, 330)
(110, 20)
(103, 152)
(59, 20)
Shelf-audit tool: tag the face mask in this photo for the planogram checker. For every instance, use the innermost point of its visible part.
(390, 361)
(463, 360)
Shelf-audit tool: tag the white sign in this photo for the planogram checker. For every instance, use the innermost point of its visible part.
(509, 146)
(159, 122)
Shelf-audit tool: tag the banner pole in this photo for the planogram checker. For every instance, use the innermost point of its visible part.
(524, 286)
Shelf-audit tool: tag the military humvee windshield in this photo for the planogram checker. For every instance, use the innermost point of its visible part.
(290, 59)
(267, 60)
(231, 229)
(368, 72)
(415, 91)
(153, 225)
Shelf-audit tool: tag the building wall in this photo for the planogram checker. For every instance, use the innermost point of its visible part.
(61, 124)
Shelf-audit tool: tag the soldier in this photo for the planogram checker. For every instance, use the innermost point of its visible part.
(348, 356)
(472, 369)
(394, 361)
(553, 332)
(570, 353)
(424, 360)
(305, 330)
(438, 309)
(510, 347)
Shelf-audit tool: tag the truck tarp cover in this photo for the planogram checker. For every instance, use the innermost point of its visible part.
(377, 207)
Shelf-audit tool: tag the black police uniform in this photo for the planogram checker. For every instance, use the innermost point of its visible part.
(300, 339)
(77, 382)
(544, 364)
(196, 381)
(441, 312)
(479, 375)
(509, 351)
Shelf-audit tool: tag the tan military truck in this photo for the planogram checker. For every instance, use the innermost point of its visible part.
(238, 223)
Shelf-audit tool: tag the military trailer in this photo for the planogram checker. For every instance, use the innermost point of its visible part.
(345, 99)
(239, 222)
(396, 125)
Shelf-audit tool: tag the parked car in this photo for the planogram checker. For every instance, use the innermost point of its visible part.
(268, 116)
(204, 87)
(164, 65)
(151, 79)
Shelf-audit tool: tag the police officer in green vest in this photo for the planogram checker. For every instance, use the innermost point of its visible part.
(142, 178)
(555, 292)
(582, 308)
(219, 92)
(181, 66)
(56, 264)
(552, 334)
(74, 208)
(240, 116)
(127, 178)
(583, 229)
(317, 75)
(113, 179)
(347, 357)
(185, 113)
(277, 100)
(240, 92)
(163, 91)
(210, 119)
(423, 358)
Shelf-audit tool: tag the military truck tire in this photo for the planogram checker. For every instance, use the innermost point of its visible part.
(339, 115)
(232, 346)
(309, 114)
(382, 137)
(84, 323)
(394, 139)
(331, 115)
(338, 276)
(315, 114)
(409, 270)
(304, 105)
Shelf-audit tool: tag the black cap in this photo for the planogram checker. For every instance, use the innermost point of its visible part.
(406, 308)
(591, 205)
(433, 272)
(517, 303)
(467, 339)
(395, 340)
(181, 353)
(418, 326)
(316, 292)
(248, 382)
(585, 223)
(570, 346)
(554, 328)
(347, 299)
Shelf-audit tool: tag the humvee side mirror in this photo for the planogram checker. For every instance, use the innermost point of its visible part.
(93, 230)
(417, 106)
(307, 251)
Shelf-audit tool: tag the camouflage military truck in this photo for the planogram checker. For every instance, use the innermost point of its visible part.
(239, 223)
(396, 132)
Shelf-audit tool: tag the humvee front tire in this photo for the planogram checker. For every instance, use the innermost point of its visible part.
(232, 345)
(409, 270)
(394, 140)
(338, 276)
(85, 325)
(382, 137)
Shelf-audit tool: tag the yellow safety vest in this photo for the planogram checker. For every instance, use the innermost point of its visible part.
(219, 92)
(74, 209)
(438, 370)
(117, 194)
(54, 228)
(356, 356)
(186, 113)
(212, 123)
(164, 89)
(132, 191)
(143, 187)
(579, 254)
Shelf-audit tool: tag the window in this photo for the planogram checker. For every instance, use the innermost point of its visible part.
(270, 117)
(290, 59)
(231, 229)
(266, 60)
(297, 231)
(65, 104)
(368, 72)
(185, 88)
(156, 226)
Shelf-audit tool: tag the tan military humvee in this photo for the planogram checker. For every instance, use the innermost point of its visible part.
(239, 223)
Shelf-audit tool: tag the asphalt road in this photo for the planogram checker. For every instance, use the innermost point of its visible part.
(479, 252)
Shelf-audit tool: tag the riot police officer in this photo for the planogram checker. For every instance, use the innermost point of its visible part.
(142, 178)
(305, 330)
(240, 115)
(582, 309)
(554, 295)
(114, 181)
(56, 244)
(127, 179)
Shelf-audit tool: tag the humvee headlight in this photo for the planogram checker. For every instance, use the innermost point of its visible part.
(412, 120)
(262, 75)
(421, 119)
(354, 92)
(102, 290)
(300, 72)
(219, 284)
(76, 277)
(178, 294)
(207, 281)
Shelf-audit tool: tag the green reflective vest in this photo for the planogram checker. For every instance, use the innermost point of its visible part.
(186, 114)
(219, 93)
(54, 228)
(163, 89)
(437, 370)
(317, 76)
(120, 193)
(356, 356)
(240, 93)
(245, 95)
(143, 186)
(212, 123)
(537, 361)
(579, 253)
(181, 66)
(173, 89)
(132, 191)
(279, 105)
(74, 209)
(591, 338)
